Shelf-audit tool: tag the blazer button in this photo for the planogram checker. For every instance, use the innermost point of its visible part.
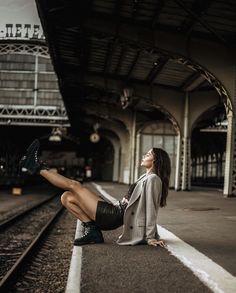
(132, 213)
(131, 227)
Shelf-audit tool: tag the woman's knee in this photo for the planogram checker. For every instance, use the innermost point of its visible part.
(75, 186)
(65, 197)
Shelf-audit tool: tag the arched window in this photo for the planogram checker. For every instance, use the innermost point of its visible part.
(160, 135)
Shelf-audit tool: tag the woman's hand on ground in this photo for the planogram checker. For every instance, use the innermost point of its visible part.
(155, 242)
(124, 200)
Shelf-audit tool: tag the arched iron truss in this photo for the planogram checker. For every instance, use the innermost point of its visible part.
(216, 84)
(182, 60)
(167, 114)
(31, 115)
(212, 80)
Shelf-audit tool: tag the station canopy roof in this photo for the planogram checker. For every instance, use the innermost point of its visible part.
(99, 47)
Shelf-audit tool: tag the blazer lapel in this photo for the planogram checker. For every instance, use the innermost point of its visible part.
(137, 190)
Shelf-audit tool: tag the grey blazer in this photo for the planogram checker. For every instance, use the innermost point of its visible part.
(140, 217)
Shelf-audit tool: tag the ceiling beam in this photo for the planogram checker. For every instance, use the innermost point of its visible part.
(189, 80)
(157, 68)
(199, 7)
(198, 86)
(110, 50)
(95, 19)
(197, 18)
(117, 8)
(135, 61)
(112, 44)
(108, 80)
(72, 12)
(104, 25)
(158, 10)
(192, 82)
(121, 59)
(136, 5)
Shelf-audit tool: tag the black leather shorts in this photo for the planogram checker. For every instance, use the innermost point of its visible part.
(109, 216)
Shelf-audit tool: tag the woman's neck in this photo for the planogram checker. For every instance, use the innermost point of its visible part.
(148, 170)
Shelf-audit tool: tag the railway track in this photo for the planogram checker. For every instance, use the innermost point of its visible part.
(12, 219)
(20, 241)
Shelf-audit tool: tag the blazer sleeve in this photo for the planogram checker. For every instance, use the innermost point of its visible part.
(153, 193)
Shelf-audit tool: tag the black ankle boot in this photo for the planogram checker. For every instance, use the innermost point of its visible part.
(92, 234)
(30, 163)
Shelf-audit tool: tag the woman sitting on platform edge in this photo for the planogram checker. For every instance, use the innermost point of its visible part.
(137, 211)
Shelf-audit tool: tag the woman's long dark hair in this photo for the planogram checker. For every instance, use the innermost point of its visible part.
(162, 167)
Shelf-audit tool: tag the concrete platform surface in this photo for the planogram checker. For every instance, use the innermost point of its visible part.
(210, 227)
(202, 218)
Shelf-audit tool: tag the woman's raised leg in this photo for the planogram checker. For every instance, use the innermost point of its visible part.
(79, 200)
(57, 179)
(84, 198)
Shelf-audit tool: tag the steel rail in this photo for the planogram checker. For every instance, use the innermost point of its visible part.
(9, 278)
(4, 224)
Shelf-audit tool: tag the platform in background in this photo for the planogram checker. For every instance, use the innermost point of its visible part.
(11, 204)
(202, 218)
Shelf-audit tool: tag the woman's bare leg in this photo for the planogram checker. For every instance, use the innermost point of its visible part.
(67, 200)
(84, 198)
(87, 200)
(92, 234)
(58, 180)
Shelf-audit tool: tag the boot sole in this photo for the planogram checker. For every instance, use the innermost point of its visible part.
(92, 242)
(34, 146)
(88, 243)
(26, 160)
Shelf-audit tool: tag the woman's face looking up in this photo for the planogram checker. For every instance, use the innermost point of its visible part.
(147, 159)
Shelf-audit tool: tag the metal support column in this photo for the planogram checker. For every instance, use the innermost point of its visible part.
(178, 165)
(205, 166)
(230, 158)
(137, 159)
(186, 184)
(116, 147)
(133, 146)
(36, 81)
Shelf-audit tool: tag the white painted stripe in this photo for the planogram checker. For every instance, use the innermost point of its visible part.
(209, 272)
(105, 195)
(74, 277)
